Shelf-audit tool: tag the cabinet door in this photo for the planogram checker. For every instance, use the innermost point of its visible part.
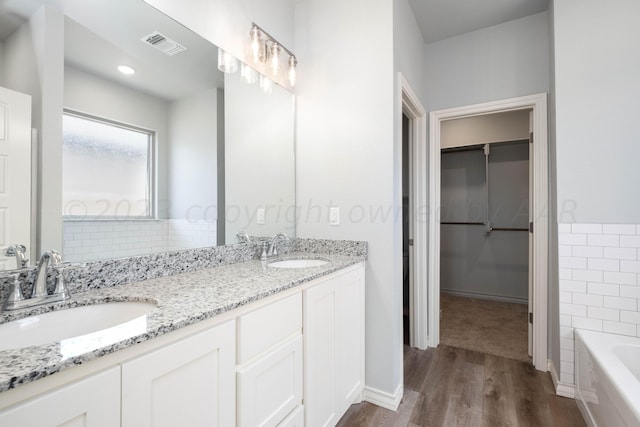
(334, 347)
(271, 387)
(319, 355)
(188, 383)
(90, 402)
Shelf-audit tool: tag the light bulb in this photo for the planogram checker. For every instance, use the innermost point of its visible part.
(227, 63)
(265, 84)
(256, 43)
(248, 74)
(292, 70)
(275, 57)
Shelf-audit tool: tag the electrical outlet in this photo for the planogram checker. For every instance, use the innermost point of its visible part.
(334, 215)
(260, 216)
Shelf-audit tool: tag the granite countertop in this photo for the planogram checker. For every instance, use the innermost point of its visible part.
(181, 299)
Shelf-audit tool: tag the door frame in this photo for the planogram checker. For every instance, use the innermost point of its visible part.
(413, 109)
(538, 104)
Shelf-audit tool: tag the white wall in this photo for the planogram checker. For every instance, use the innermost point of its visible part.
(597, 92)
(499, 62)
(259, 159)
(346, 156)
(90, 94)
(34, 56)
(408, 46)
(192, 157)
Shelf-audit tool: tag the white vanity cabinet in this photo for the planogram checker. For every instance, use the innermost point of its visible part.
(189, 382)
(269, 372)
(333, 346)
(292, 359)
(92, 401)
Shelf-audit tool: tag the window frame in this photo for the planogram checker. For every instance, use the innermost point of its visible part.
(151, 168)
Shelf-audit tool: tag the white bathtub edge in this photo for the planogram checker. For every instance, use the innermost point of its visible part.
(621, 387)
(562, 389)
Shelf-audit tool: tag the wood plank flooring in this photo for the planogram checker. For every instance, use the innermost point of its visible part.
(450, 386)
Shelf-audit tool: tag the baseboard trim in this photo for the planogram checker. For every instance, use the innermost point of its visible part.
(562, 389)
(490, 297)
(384, 399)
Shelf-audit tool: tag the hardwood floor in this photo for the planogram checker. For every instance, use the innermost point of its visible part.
(449, 386)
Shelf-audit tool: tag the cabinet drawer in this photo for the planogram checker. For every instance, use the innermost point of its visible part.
(271, 387)
(265, 327)
(294, 419)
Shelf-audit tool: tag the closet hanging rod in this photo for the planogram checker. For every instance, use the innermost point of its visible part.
(508, 229)
(463, 223)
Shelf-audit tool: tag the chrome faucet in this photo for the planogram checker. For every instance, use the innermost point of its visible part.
(40, 282)
(19, 251)
(243, 237)
(39, 294)
(272, 251)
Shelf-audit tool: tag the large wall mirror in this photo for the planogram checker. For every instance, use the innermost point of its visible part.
(177, 155)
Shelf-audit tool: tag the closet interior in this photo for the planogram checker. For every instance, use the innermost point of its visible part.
(484, 232)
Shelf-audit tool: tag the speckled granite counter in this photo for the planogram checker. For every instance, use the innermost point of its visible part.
(181, 300)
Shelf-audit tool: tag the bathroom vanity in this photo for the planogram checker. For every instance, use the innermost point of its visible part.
(240, 344)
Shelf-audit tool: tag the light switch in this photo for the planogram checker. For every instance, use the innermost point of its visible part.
(334, 215)
(260, 216)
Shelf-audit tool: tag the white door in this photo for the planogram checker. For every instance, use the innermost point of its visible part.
(15, 173)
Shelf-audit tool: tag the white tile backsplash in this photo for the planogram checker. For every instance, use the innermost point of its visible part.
(599, 290)
(93, 240)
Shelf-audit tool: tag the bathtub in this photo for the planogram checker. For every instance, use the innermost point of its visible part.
(607, 378)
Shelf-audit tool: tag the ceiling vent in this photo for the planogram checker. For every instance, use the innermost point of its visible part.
(163, 43)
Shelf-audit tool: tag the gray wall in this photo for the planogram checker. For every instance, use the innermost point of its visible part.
(192, 157)
(596, 98)
(499, 62)
(475, 263)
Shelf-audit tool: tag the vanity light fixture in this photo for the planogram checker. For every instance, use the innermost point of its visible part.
(125, 69)
(227, 63)
(266, 49)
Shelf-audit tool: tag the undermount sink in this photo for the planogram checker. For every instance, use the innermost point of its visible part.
(298, 263)
(92, 325)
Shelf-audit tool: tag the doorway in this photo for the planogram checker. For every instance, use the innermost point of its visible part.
(484, 229)
(539, 198)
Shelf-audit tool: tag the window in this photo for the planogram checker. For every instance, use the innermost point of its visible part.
(107, 169)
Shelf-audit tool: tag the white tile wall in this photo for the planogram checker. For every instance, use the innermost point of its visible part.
(93, 240)
(599, 286)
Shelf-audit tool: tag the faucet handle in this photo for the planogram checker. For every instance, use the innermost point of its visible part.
(264, 256)
(15, 297)
(60, 292)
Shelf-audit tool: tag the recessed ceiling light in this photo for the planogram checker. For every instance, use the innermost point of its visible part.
(125, 69)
